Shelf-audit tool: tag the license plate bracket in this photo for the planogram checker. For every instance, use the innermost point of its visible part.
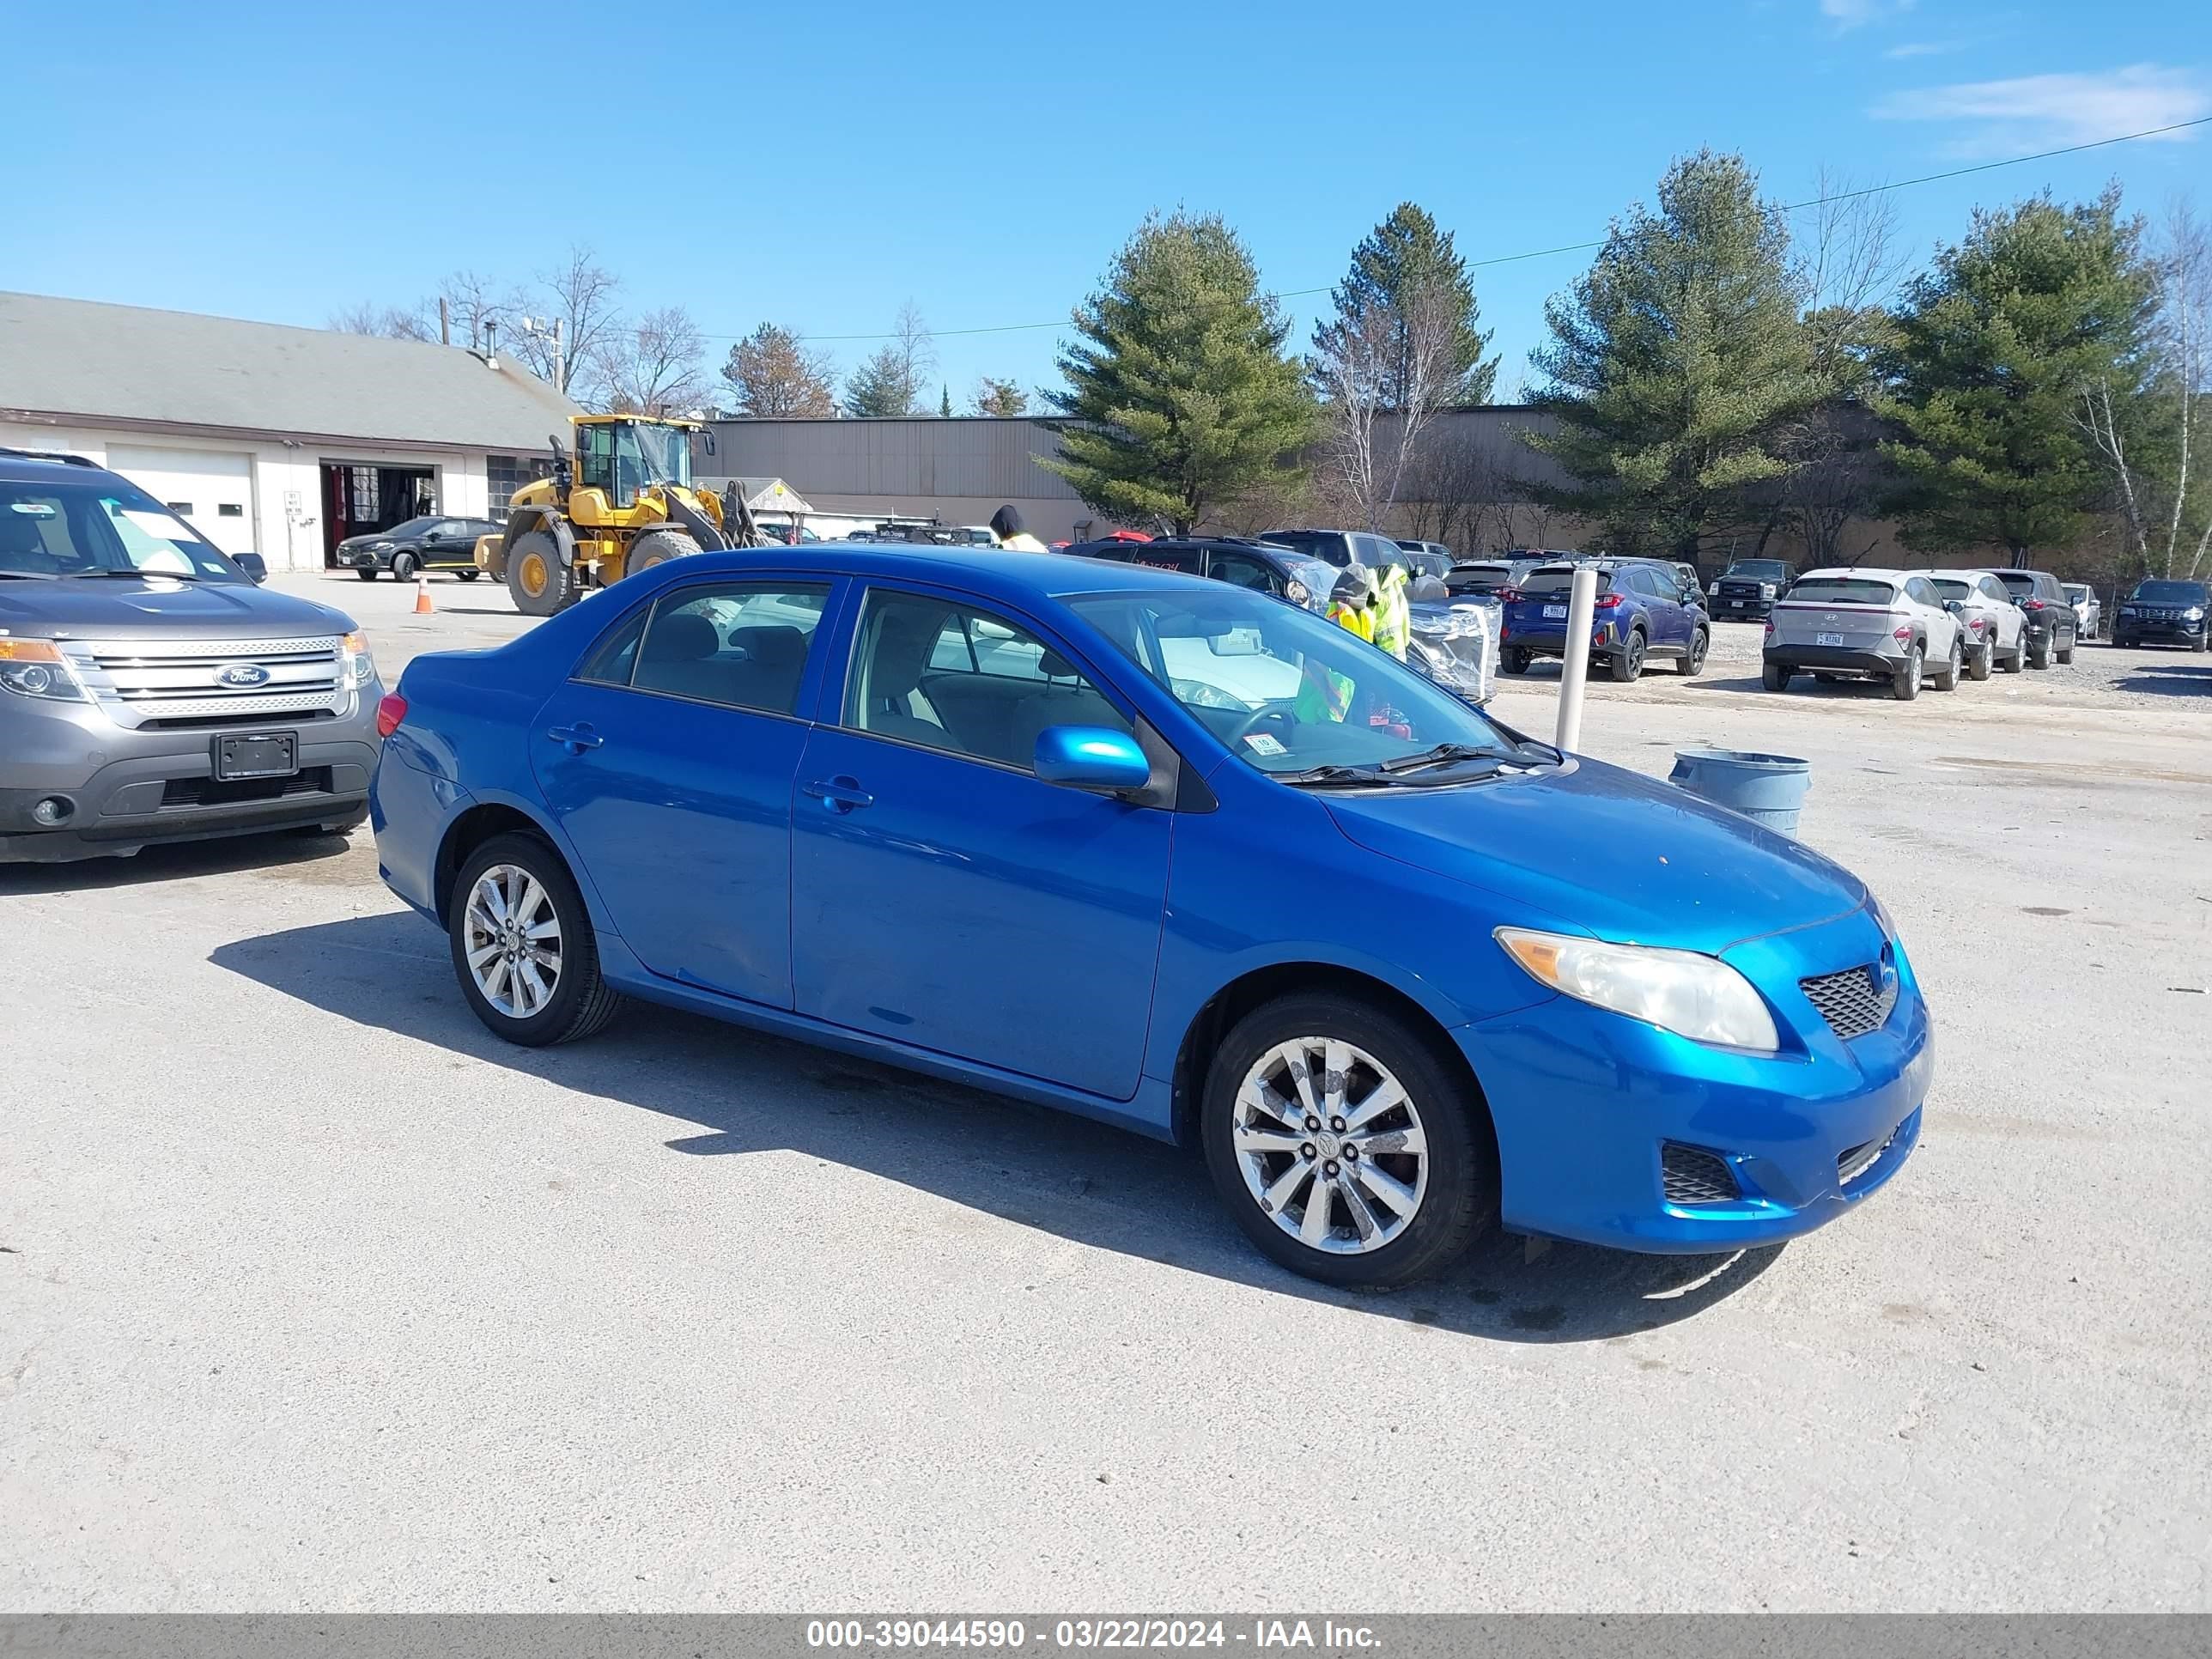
(242, 755)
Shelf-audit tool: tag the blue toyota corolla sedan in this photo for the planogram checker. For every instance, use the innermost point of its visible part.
(1173, 855)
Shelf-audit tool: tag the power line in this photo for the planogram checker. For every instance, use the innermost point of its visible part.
(1574, 247)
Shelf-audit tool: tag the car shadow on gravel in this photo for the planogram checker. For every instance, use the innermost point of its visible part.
(175, 862)
(736, 1091)
(2171, 680)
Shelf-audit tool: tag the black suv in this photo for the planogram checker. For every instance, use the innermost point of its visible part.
(1749, 587)
(1285, 571)
(429, 543)
(2166, 612)
(2050, 624)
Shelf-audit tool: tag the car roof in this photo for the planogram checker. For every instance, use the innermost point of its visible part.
(1858, 573)
(992, 572)
(1954, 571)
(32, 466)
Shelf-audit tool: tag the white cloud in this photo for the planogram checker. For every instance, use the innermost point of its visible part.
(1858, 14)
(2046, 112)
(1923, 49)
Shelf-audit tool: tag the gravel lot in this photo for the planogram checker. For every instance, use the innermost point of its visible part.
(314, 1297)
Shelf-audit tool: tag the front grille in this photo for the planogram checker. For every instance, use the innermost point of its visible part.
(232, 792)
(1854, 1002)
(1851, 1165)
(150, 682)
(1690, 1176)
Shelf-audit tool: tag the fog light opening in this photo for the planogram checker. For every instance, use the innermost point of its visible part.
(53, 810)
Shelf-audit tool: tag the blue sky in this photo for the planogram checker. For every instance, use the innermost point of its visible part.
(818, 165)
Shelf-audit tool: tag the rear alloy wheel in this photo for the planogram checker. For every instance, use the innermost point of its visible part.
(1513, 660)
(1947, 676)
(539, 582)
(523, 947)
(1774, 677)
(1344, 1149)
(2066, 655)
(1628, 661)
(2038, 653)
(1691, 662)
(2016, 658)
(1977, 660)
(1905, 684)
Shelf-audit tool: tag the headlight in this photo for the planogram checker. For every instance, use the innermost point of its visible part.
(2195, 613)
(360, 668)
(36, 668)
(1766, 590)
(1698, 996)
(1715, 590)
(380, 547)
(2127, 610)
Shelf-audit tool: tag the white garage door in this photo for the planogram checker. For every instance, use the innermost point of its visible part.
(210, 489)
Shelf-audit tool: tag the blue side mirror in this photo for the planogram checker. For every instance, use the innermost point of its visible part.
(1091, 757)
(252, 564)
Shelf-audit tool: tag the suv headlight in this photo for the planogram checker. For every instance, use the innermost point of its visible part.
(359, 667)
(1766, 590)
(1698, 996)
(2195, 613)
(36, 668)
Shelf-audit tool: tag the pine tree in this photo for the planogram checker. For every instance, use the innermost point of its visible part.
(1402, 262)
(944, 400)
(1996, 345)
(1678, 363)
(1179, 396)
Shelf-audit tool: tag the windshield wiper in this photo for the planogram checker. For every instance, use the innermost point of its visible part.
(1330, 775)
(26, 576)
(135, 575)
(1442, 755)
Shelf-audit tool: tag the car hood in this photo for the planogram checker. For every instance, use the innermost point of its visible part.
(1618, 854)
(67, 610)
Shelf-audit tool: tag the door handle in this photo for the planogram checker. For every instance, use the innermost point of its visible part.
(839, 795)
(577, 739)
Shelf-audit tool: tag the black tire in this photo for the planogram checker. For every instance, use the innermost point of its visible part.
(1462, 1197)
(582, 1001)
(1905, 683)
(539, 582)
(657, 547)
(2203, 642)
(1513, 660)
(1774, 677)
(1691, 663)
(404, 567)
(1978, 661)
(469, 574)
(368, 575)
(2067, 654)
(1627, 663)
(1954, 670)
(2038, 653)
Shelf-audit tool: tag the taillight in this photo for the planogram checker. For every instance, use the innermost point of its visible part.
(1506, 595)
(1605, 601)
(2034, 604)
(390, 711)
(1770, 628)
(1902, 636)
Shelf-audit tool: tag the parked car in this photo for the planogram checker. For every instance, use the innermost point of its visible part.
(1478, 578)
(1852, 623)
(1425, 558)
(1455, 641)
(430, 543)
(2051, 629)
(1339, 547)
(149, 689)
(1747, 589)
(2088, 613)
(2164, 612)
(1996, 628)
(1717, 1044)
(1642, 613)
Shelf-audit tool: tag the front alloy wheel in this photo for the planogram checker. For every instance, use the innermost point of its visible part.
(1330, 1146)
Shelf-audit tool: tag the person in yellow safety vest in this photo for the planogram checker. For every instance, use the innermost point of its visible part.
(1393, 614)
(1351, 603)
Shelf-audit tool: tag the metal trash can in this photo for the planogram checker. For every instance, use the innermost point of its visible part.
(1770, 788)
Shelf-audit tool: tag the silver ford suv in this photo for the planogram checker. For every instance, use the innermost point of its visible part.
(149, 689)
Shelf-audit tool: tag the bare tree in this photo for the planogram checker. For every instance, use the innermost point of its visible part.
(774, 376)
(888, 382)
(563, 331)
(2186, 344)
(384, 322)
(1851, 260)
(1383, 372)
(656, 368)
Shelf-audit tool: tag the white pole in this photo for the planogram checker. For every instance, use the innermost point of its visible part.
(1582, 605)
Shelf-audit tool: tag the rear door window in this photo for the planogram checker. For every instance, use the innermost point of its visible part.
(743, 645)
(1242, 570)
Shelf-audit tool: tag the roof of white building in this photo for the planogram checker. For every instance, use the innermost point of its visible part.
(91, 362)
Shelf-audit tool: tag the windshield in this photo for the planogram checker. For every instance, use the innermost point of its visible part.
(64, 527)
(2170, 592)
(1765, 570)
(1324, 544)
(649, 455)
(1292, 694)
(1842, 589)
(2077, 590)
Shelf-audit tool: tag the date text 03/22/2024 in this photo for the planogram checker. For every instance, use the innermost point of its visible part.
(1119, 1634)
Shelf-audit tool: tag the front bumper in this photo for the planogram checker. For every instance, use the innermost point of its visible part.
(129, 789)
(1735, 607)
(1831, 659)
(362, 558)
(2133, 630)
(1587, 1104)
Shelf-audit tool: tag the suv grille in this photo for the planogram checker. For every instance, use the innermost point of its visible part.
(1692, 1176)
(1855, 1002)
(229, 791)
(141, 682)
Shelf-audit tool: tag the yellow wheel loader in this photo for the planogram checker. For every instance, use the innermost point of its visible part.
(623, 502)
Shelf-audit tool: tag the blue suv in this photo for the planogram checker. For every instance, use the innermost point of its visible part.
(1173, 854)
(1644, 611)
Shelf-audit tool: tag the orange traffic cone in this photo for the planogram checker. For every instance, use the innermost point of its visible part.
(422, 605)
